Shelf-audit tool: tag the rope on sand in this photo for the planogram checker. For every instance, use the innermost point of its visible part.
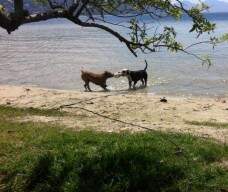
(72, 105)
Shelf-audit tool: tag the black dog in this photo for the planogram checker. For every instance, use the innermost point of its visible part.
(134, 76)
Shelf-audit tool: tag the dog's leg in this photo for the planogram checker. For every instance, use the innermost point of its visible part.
(143, 82)
(104, 87)
(129, 82)
(85, 85)
(88, 87)
(134, 86)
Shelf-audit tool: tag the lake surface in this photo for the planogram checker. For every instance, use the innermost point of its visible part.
(51, 54)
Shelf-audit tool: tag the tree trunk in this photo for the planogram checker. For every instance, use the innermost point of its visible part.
(18, 7)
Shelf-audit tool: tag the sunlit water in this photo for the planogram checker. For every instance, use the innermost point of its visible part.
(51, 54)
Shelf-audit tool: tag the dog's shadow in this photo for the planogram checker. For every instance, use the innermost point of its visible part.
(99, 91)
(140, 87)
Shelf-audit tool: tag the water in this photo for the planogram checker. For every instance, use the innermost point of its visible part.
(51, 54)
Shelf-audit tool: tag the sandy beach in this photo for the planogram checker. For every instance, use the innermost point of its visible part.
(179, 114)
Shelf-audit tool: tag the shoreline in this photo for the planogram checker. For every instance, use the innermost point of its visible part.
(200, 116)
(139, 90)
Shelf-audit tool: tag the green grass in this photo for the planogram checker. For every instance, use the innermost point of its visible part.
(208, 123)
(40, 157)
(8, 111)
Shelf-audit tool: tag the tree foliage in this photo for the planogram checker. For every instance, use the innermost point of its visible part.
(96, 13)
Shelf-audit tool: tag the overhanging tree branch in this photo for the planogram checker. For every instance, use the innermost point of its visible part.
(45, 16)
(5, 21)
(96, 10)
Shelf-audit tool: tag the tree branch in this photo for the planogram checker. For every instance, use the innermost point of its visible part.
(139, 39)
(105, 28)
(5, 21)
(45, 16)
(12, 23)
(54, 5)
(81, 8)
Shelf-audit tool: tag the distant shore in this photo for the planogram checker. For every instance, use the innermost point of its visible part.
(204, 117)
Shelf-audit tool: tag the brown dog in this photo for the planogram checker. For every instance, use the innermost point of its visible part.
(98, 79)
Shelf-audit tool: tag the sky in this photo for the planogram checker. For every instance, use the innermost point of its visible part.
(215, 5)
(196, 1)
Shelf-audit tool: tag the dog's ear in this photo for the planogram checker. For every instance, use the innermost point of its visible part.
(128, 72)
(106, 72)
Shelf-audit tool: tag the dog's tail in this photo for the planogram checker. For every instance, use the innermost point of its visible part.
(146, 65)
